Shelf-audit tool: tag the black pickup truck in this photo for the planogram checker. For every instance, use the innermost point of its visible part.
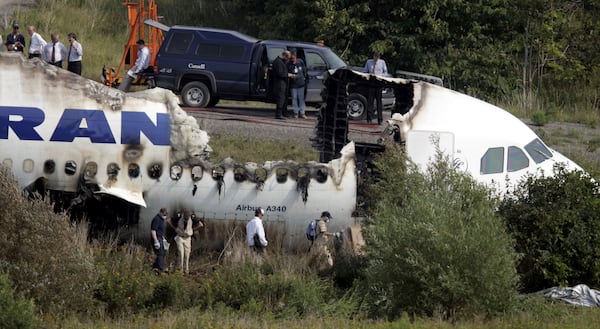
(205, 65)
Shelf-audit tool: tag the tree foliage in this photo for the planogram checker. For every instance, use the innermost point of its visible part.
(435, 244)
(556, 223)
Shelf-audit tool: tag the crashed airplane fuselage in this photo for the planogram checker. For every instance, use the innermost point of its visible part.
(489, 143)
(95, 148)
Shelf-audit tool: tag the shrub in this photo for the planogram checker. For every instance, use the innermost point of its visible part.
(16, 312)
(125, 281)
(434, 244)
(556, 223)
(46, 256)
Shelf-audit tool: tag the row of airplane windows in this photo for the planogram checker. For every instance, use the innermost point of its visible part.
(155, 171)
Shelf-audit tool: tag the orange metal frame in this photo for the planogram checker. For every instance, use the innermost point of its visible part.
(137, 13)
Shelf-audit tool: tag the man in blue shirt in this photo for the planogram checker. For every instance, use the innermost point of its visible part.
(375, 66)
(15, 41)
(157, 230)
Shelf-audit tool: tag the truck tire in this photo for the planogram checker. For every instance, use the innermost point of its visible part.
(195, 94)
(357, 107)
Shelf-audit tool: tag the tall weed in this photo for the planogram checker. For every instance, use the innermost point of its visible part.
(45, 255)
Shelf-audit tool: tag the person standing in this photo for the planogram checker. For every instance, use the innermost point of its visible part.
(15, 41)
(297, 68)
(141, 64)
(54, 51)
(37, 44)
(376, 66)
(74, 54)
(157, 232)
(255, 233)
(280, 81)
(185, 230)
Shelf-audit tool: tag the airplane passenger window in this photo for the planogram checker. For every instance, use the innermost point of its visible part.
(112, 170)
(27, 165)
(49, 166)
(492, 161)
(70, 168)
(176, 171)
(197, 172)
(133, 170)
(7, 163)
(91, 169)
(538, 151)
(155, 171)
(517, 159)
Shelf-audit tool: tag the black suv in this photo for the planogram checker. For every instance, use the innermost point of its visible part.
(205, 65)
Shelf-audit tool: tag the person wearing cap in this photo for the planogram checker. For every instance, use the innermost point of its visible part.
(55, 52)
(141, 64)
(325, 218)
(255, 232)
(37, 43)
(15, 41)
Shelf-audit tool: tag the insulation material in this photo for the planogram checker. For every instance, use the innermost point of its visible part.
(581, 295)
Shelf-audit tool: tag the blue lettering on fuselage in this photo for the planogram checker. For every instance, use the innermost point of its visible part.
(31, 117)
(96, 128)
(69, 127)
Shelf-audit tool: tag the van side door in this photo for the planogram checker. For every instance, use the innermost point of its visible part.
(315, 67)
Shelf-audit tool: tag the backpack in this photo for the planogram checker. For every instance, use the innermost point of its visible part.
(311, 230)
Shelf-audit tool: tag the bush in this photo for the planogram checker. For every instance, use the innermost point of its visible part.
(267, 287)
(556, 223)
(126, 282)
(434, 244)
(45, 256)
(16, 312)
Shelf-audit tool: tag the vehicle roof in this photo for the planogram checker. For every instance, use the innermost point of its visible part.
(211, 33)
(235, 35)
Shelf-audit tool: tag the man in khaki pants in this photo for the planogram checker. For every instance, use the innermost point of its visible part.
(185, 228)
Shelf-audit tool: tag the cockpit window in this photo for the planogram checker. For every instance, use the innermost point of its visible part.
(538, 151)
(492, 161)
(517, 159)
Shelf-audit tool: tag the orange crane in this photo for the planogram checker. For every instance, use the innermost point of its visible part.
(137, 14)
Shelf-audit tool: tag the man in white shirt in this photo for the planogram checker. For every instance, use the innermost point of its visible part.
(141, 64)
(37, 44)
(376, 66)
(74, 54)
(54, 51)
(255, 232)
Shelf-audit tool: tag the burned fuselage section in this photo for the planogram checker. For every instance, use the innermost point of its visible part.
(118, 158)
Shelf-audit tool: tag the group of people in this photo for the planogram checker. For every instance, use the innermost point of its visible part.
(257, 240)
(185, 224)
(53, 52)
(289, 74)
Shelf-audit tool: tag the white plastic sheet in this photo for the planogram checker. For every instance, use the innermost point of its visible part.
(581, 295)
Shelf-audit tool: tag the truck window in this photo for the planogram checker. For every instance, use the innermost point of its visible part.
(179, 43)
(517, 159)
(273, 52)
(314, 62)
(492, 162)
(230, 52)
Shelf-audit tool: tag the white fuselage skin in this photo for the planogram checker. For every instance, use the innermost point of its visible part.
(39, 99)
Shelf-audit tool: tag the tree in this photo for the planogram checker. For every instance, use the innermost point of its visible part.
(555, 221)
(435, 244)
